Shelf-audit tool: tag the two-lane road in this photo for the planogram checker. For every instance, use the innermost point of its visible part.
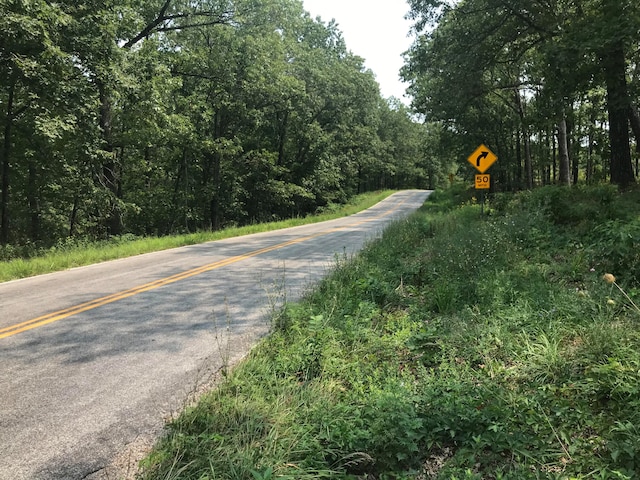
(93, 359)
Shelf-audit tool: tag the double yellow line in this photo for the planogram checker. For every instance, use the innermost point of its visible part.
(99, 302)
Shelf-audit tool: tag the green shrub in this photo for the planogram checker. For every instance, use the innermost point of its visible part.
(616, 248)
(457, 346)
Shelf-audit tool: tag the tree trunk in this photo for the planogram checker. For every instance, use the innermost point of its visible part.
(175, 204)
(549, 144)
(554, 159)
(528, 164)
(6, 169)
(74, 215)
(519, 160)
(572, 152)
(634, 118)
(563, 150)
(34, 201)
(110, 177)
(618, 104)
(215, 207)
(215, 164)
(590, 166)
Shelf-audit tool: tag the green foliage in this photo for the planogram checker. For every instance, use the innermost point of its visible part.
(617, 244)
(571, 206)
(533, 80)
(457, 346)
(154, 118)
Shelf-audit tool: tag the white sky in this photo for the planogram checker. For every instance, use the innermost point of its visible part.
(374, 30)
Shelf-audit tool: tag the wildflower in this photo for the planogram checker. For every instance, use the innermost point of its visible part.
(609, 278)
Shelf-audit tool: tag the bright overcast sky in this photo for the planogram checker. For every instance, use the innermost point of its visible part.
(376, 31)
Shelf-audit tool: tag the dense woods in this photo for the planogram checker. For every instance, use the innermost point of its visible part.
(551, 86)
(162, 116)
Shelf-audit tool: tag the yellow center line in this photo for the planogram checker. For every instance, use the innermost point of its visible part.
(99, 302)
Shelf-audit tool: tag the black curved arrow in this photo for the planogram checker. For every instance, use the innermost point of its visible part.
(480, 157)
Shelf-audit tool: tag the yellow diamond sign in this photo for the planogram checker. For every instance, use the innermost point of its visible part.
(482, 158)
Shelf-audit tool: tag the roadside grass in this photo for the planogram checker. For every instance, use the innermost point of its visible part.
(455, 347)
(71, 253)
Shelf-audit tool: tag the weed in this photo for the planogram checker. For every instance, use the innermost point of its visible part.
(222, 337)
(610, 279)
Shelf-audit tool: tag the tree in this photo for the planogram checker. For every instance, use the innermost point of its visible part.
(553, 53)
(158, 116)
(31, 65)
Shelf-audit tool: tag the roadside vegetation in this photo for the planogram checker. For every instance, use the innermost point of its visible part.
(29, 260)
(458, 346)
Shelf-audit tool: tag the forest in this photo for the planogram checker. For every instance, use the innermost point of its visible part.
(551, 86)
(157, 117)
(169, 116)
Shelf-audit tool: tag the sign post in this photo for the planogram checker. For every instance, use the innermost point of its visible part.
(481, 159)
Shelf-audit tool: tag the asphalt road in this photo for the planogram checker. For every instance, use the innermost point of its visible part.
(94, 359)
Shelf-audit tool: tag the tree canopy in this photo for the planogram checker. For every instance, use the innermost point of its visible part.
(160, 116)
(552, 86)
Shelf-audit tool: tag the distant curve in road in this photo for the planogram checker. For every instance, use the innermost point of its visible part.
(95, 358)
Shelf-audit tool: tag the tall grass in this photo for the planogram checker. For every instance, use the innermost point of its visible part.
(458, 346)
